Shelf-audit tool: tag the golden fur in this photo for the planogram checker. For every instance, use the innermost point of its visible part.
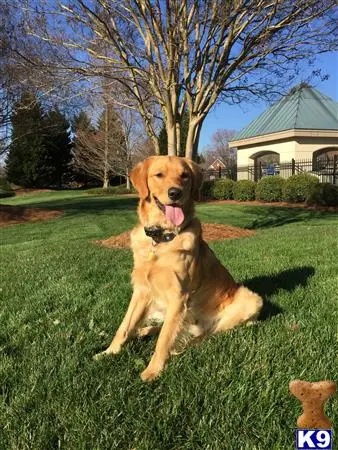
(180, 283)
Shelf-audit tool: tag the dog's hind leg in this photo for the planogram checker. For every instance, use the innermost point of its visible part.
(148, 331)
(244, 309)
(190, 334)
(152, 321)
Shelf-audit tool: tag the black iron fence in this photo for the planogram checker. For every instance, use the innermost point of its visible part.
(212, 174)
(326, 170)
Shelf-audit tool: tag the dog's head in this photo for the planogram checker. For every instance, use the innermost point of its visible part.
(168, 184)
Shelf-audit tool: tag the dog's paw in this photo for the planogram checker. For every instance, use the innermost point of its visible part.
(112, 350)
(105, 353)
(150, 374)
(142, 332)
(99, 356)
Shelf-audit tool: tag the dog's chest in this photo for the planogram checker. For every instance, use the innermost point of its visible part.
(158, 255)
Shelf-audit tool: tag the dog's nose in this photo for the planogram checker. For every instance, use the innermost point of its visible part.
(174, 193)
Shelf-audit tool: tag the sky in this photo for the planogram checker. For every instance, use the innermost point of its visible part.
(237, 117)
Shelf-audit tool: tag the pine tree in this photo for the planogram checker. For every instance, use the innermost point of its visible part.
(40, 151)
(58, 146)
(27, 155)
(81, 121)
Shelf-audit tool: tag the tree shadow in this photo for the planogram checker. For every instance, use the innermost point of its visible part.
(267, 217)
(86, 204)
(268, 285)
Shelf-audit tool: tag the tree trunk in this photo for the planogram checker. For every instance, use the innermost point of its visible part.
(105, 181)
(178, 139)
(172, 139)
(191, 147)
(106, 146)
(196, 142)
(156, 144)
(128, 182)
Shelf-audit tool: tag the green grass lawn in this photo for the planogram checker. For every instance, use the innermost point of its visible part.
(62, 298)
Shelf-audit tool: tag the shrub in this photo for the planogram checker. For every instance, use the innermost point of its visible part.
(323, 194)
(298, 187)
(223, 189)
(270, 189)
(122, 189)
(244, 190)
(5, 188)
(112, 190)
(207, 188)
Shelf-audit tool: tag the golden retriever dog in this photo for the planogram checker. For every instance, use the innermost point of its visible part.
(177, 280)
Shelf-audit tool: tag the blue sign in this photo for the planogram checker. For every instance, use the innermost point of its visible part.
(313, 439)
(270, 170)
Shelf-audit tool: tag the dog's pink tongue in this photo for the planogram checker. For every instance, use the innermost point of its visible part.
(174, 214)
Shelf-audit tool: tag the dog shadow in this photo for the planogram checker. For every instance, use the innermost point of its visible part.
(268, 285)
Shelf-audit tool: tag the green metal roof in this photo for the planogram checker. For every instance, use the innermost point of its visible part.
(303, 108)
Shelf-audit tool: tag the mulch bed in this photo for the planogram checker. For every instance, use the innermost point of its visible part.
(211, 232)
(10, 215)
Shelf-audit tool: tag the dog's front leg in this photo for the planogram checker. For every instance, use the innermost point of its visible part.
(133, 316)
(171, 326)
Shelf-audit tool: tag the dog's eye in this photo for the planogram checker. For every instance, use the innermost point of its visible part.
(184, 176)
(159, 175)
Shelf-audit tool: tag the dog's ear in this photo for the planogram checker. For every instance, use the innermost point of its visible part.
(139, 177)
(197, 178)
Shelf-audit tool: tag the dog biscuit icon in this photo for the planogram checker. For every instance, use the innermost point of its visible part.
(312, 397)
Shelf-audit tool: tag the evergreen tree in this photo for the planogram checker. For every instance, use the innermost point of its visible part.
(58, 146)
(81, 121)
(27, 155)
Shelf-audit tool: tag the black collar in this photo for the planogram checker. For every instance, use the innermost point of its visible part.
(159, 234)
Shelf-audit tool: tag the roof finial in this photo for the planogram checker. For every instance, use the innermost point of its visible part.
(299, 86)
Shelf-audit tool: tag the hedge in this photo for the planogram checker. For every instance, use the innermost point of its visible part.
(244, 190)
(112, 190)
(5, 188)
(207, 188)
(222, 189)
(270, 189)
(323, 194)
(298, 187)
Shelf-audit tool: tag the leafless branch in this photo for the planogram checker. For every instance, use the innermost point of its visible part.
(172, 55)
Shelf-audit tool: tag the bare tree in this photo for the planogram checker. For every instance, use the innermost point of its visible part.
(219, 148)
(144, 149)
(126, 151)
(7, 78)
(5, 109)
(111, 148)
(168, 56)
(20, 71)
(90, 155)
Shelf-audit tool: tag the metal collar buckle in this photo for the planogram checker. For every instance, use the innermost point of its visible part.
(158, 234)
